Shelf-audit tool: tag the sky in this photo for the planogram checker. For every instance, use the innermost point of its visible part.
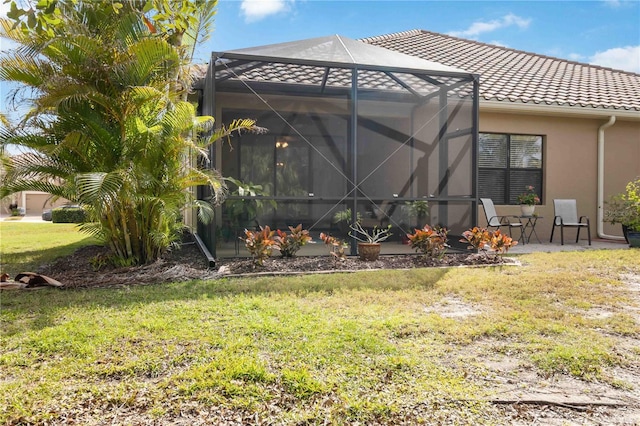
(601, 32)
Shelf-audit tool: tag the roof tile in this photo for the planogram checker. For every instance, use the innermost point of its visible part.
(511, 75)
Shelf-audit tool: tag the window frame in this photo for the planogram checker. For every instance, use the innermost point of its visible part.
(508, 168)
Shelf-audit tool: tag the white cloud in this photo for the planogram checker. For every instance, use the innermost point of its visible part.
(622, 58)
(255, 10)
(619, 4)
(498, 43)
(575, 57)
(4, 9)
(612, 3)
(480, 27)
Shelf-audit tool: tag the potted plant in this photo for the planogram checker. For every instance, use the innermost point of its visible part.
(624, 208)
(369, 242)
(418, 209)
(342, 219)
(528, 201)
(243, 212)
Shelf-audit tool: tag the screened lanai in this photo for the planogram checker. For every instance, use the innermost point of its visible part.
(353, 132)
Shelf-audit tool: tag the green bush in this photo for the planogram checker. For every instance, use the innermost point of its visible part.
(68, 215)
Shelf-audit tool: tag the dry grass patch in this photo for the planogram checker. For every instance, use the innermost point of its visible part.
(376, 347)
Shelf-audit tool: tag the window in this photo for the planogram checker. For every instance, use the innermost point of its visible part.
(507, 164)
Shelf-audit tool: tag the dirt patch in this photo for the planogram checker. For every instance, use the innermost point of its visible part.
(525, 395)
(453, 307)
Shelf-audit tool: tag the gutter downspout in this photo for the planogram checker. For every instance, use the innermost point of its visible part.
(600, 222)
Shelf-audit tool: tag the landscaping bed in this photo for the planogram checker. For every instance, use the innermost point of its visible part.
(84, 268)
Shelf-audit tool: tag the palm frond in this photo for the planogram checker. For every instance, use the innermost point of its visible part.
(214, 180)
(201, 31)
(204, 211)
(236, 126)
(94, 229)
(98, 187)
(155, 59)
(179, 120)
(16, 186)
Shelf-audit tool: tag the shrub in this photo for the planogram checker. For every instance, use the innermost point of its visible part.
(624, 208)
(479, 238)
(432, 242)
(289, 244)
(259, 243)
(336, 246)
(501, 243)
(68, 215)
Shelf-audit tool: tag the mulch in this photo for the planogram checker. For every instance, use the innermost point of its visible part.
(85, 268)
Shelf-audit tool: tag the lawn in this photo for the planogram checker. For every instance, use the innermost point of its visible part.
(24, 246)
(382, 347)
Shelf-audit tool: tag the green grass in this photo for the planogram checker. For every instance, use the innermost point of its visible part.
(345, 348)
(25, 246)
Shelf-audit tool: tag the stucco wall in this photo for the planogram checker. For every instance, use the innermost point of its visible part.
(570, 161)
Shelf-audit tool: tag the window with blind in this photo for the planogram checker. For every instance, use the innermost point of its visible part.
(508, 164)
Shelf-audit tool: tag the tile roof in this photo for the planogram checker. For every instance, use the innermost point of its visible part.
(338, 78)
(513, 76)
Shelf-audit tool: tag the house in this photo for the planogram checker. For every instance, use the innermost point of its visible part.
(359, 125)
(585, 119)
(33, 203)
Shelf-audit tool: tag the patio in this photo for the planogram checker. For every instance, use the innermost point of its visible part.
(231, 249)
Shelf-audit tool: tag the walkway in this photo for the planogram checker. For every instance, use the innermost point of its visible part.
(582, 245)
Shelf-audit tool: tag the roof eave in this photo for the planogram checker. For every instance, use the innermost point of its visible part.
(509, 107)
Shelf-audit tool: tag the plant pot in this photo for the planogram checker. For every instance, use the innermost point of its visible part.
(527, 210)
(634, 238)
(369, 251)
(625, 233)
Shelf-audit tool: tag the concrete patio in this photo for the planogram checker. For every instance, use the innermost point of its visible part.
(582, 245)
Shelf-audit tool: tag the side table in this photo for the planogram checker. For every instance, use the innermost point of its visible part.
(529, 222)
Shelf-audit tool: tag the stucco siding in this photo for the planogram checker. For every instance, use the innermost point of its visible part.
(571, 161)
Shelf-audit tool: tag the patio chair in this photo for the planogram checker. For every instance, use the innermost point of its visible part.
(566, 215)
(495, 221)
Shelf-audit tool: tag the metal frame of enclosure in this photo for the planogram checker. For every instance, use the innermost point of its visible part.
(354, 132)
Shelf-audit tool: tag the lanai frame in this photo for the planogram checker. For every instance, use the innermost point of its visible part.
(379, 98)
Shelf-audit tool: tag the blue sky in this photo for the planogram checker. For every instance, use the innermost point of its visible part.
(603, 32)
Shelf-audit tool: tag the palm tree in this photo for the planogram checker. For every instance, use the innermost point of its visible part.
(108, 128)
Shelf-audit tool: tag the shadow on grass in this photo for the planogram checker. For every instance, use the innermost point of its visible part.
(16, 262)
(38, 309)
